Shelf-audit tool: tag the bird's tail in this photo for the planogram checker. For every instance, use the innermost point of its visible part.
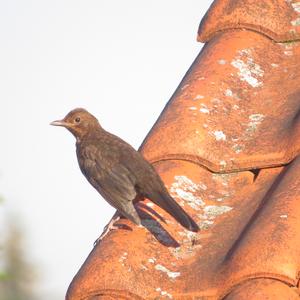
(167, 203)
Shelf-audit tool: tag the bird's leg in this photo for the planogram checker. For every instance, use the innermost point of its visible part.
(110, 226)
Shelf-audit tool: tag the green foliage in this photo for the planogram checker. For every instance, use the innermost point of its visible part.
(3, 276)
(17, 276)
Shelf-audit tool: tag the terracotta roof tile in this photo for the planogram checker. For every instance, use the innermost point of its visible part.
(241, 106)
(236, 110)
(262, 288)
(277, 19)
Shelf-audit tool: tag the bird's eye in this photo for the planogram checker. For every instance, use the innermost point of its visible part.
(77, 120)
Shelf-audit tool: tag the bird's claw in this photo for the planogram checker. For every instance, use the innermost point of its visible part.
(106, 230)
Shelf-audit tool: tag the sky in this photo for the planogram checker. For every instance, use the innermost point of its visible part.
(121, 60)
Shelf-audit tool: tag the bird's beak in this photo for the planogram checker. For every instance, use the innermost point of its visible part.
(59, 123)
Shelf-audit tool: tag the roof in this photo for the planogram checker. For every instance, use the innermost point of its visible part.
(226, 146)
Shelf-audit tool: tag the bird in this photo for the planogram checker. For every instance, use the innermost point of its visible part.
(120, 174)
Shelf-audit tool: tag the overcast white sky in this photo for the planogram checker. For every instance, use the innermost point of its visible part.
(121, 60)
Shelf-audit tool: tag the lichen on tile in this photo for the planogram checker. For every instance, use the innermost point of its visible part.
(248, 70)
(170, 274)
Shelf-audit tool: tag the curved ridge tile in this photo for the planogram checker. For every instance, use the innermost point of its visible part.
(237, 108)
(277, 19)
(270, 242)
(263, 288)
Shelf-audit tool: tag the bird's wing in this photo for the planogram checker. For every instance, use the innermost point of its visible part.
(118, 189)
(115, 183)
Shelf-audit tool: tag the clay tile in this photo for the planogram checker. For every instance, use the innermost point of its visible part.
(226, 146)
(236, 108)
(277, 19)
(263, 288)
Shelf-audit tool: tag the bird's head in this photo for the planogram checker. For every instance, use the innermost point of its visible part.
(79, 122)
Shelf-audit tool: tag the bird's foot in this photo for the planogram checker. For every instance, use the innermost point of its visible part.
(106, 230)
(110, 226)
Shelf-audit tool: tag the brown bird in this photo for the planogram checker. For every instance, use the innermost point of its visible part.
(117, 171)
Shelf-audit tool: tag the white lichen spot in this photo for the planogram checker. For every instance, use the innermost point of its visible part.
(296, 7)
(219, 135)
(188, 234)
(249, 71)
(274, 65)
(164, 293)
(251, 127)
(222, 61)
(202, 186)
(193, 108)
(211, 211)
(144, 267)
(170, 274)
(235, 107)
(198, 97)
(185, 189)
(223, 163)
(238, 148)
(205, 125)
(288, 46)
(201, 78)
(206, 224)
(204, 110)
(228, 93)
(246, 74)
(123, 257)
(296, 22)
(193, 202)
(225, 183)
(245, 52)
(255, 120)
(256, 117)
(185, 86)
(185, 183)
(283, 216)
(152, 260)
(289, 52)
